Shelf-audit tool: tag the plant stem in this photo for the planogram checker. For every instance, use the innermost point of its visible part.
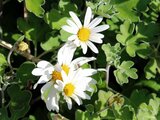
(107, 74)
(45, 52)
(24, 54)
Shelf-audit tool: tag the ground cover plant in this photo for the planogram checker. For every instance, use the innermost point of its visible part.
(80, 59)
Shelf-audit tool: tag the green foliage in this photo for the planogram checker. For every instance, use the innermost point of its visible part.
(3, 63)
(149, 111)
(112, 53)
(19, 102)
(24, 76)
(57, 18)
(151, 69)
(35, 6)
(50, 42)
(124, 71)
(130, 50)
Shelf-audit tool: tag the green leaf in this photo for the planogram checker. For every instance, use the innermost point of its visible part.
(24, 75)
(112, 53)
(67, 5)
(3, 63)
(34, 6)
(80, 115)
(103, 8)
(126, 29)
(127, 12)
(19, 102)
(55, 19)
(32, 28)
(150, 83)
(90, 108)
(124, 71)
(150, 111)
(4, 114)
(103, 96)
(150, 69)
(50, 42)
(139, 96)
(64, 35)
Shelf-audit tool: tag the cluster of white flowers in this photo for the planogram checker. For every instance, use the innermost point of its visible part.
(67, 78)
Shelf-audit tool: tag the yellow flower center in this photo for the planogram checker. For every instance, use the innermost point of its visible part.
(65, 68)
(69, 89)
(84, 34)
(56, 75)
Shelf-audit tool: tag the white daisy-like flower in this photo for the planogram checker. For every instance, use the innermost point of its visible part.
(44, 70)
(65, 59)
(84, 35)
(49, 74)
(51, 96)
(75, 85)
(47, 71)
(48, 93)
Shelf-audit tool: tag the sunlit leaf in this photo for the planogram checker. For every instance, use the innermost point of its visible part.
(35, 6)
(124, 71)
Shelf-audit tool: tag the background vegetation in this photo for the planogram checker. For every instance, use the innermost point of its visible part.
(130, 53)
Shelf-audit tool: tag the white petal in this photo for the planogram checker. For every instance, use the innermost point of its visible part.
(43, 79)
(77, 42)
(58, 66)
(92, 47)
(52, 98)
(72, 24)
(75, 19)
(49, 70)
(69, 53)
(88, 72)
(37, 71)
(96, 40)
(82, 94)
(97, 35)
(69, 102)
(84, 47)
(82, 60)
(45, 88)
(59, 86)
(95, 22)
(69, 29)
(76, 99)
(100, 28)
(72, 37)
(88, 16)
(44, 64)
(64, 77)
(65, 54)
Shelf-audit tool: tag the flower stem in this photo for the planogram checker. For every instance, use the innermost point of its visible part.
(107, 74)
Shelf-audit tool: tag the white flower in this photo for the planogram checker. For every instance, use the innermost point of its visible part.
(65, 59)
(75, 85)
(84, 35)
(48, 93)
(51, 96)
(44, 70)
(49, 74)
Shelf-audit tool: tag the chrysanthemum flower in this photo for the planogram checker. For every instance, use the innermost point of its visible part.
(48, 93)
(84, 35)
(75, 85)
(49, 74)
(51, 96)
(44, 70)
(65, 60)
